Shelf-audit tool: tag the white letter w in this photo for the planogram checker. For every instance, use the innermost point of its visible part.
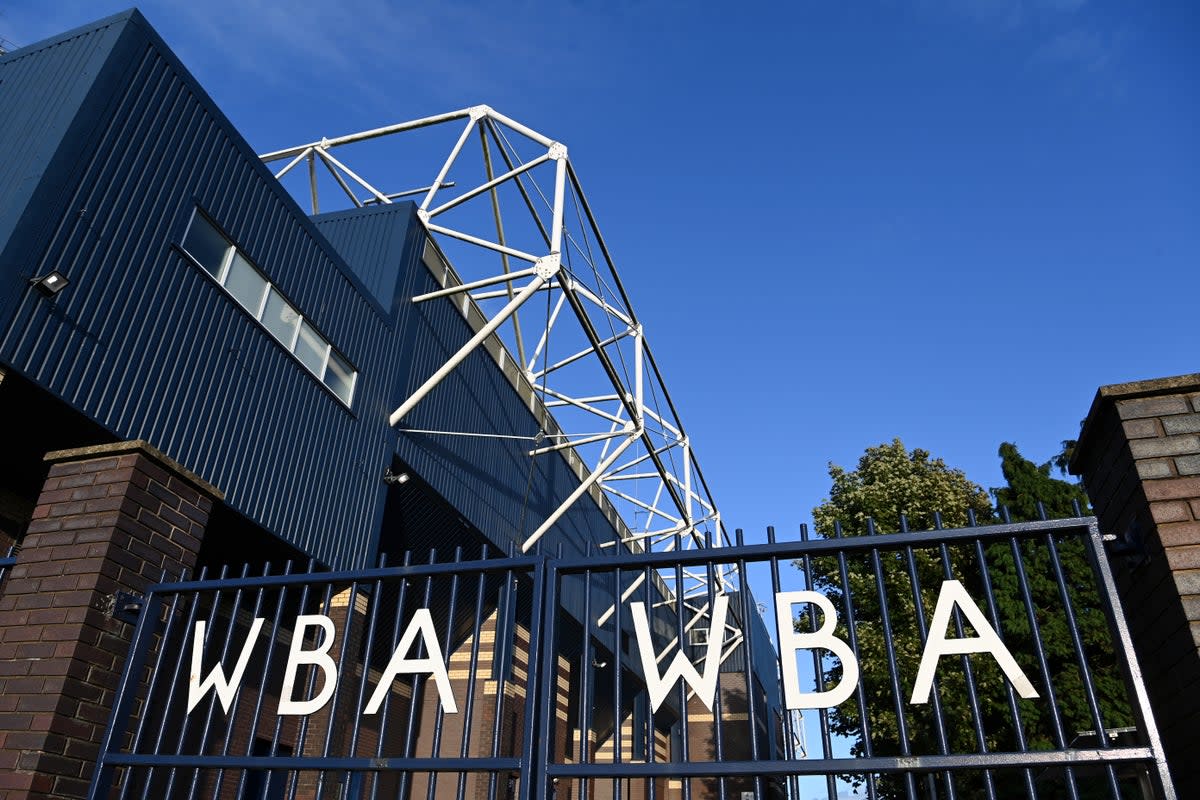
(216, 679)
(660, 685)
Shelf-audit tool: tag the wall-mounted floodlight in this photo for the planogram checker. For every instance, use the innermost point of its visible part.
(394, 479)
(50, 284)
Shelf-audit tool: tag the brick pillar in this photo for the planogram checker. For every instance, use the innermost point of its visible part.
(1139, 455)
(111, 517)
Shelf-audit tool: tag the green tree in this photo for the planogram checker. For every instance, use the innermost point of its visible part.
(1029, 484)
(891, 481)
(892, 484)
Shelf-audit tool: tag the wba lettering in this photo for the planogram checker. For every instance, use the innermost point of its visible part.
(420, 625)
(659, 684)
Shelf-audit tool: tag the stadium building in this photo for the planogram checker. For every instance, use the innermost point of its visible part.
(197, 374)
(347, 470)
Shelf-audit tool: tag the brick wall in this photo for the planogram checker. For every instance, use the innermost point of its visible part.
(1139, 455)
(109, 518)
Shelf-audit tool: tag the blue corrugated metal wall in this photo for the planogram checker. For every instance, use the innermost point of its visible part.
(45, 111)
(147, 344)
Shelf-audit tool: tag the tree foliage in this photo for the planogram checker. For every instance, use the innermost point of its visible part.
(894, 588)
(891, 481)
(1029, 484)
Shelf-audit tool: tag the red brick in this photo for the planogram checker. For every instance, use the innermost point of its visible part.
(84, 566)
(60, 583)
(1171, 511)
(68, 508)
(74, 481)
(1179, 534)
(18, 781)
(165, 495)
(51, 496)
(155, 471)
(99, 464)
(113, 503)
(105, 519)
(91, 712)
(1151, 407)
(35, 650)
(174, 517)
(16, 722)
(43, 525)
(67, 551)
(78, 598)
(120, 475)
(38, 702)
(46, 616)
(10, 669)
(65, 468)
(154, 522)
(1141, 428)
(37, 569)
(88, 492)
(76, 729)
(88, 537)
(74, 787)
(184, 489)
(1172, 489)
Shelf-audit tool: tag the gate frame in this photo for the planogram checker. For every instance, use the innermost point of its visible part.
(536, 767)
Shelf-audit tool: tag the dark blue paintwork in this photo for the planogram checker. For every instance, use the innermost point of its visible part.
(113, 145)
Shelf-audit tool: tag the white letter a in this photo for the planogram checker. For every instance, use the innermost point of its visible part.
(421, 625)
(988, 641)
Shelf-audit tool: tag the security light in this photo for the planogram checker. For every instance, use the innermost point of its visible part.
(392, 478)
(50, 284)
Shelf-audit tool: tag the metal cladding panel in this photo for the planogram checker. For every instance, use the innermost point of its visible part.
(43, 93)
(372, 241)
(149, 345)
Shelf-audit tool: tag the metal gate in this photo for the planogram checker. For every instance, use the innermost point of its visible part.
(551, 676)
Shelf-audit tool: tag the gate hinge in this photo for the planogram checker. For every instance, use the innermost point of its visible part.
(124, 606)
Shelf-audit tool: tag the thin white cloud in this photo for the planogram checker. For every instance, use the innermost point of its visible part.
(373, 45)
(1080, 48)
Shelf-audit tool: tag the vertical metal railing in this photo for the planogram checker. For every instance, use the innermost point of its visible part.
(6, 562)
(412, 743)
(551, 695)
(975, 736)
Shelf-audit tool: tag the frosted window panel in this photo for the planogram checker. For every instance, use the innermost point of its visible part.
(280, 318)
(340, 376)
(311, 348)
(246, 284)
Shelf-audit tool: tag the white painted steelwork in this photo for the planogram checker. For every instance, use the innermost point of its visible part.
(602, 400)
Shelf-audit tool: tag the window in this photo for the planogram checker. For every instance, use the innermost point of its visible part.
(213, 251)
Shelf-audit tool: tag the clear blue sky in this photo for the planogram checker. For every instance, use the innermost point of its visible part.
(948, 221)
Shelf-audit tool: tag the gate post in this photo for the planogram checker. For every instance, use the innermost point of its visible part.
(110, 518)
(1139, 455)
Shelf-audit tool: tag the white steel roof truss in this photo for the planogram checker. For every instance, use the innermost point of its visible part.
(645, 450)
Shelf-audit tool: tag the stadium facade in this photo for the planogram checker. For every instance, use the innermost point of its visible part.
(197, 373)
(300, 503)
